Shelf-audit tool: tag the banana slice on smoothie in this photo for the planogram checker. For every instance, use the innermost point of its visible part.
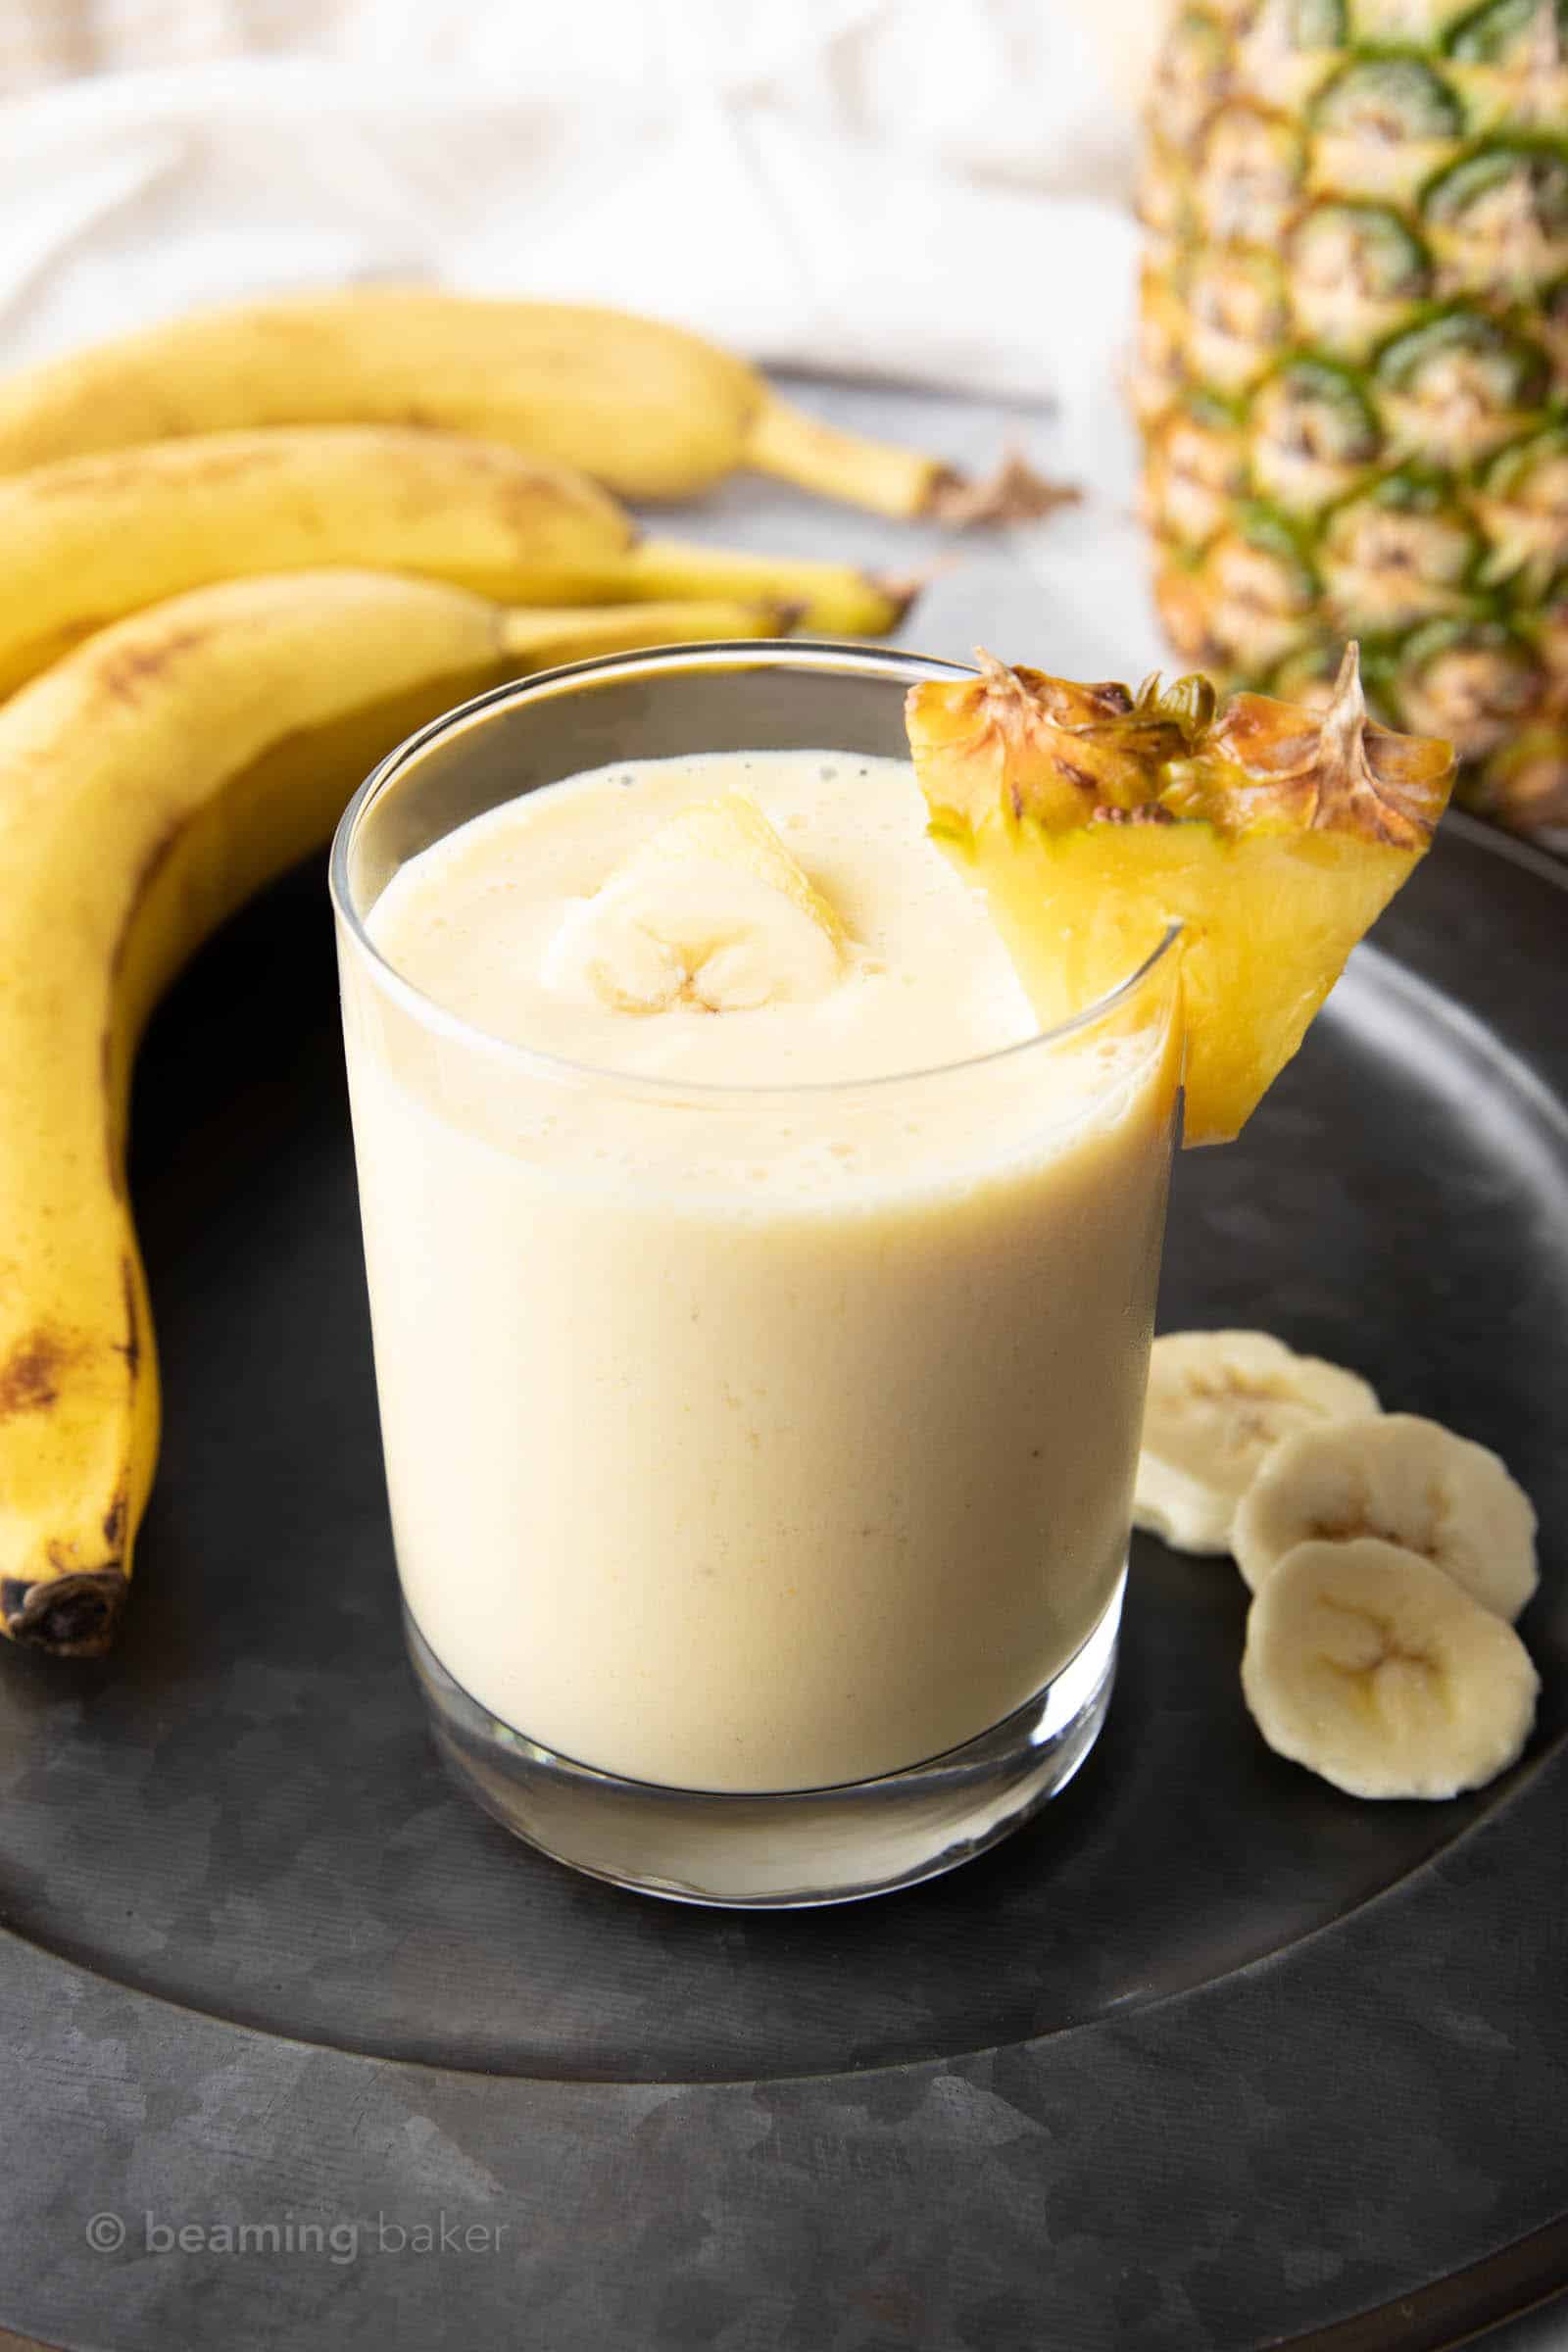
(710, 912)
(1408, 1481)
(1219, 1401)
(1375, 1670)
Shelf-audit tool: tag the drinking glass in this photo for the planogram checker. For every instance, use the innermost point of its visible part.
(759, 1457)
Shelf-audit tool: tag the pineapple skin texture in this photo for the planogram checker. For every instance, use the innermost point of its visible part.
(1353, 372)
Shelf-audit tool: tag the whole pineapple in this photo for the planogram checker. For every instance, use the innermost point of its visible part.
(1352, 375)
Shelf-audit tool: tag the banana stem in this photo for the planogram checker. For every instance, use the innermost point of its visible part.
(785, 441)
(902, 482)
(537, 637)
(833, 597)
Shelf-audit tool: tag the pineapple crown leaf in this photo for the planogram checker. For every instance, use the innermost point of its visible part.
(1187, 701)
(1058, 755)
(1049, 703)
(1349, 774)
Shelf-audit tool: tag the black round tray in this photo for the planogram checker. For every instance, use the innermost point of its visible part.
(1210, 2056)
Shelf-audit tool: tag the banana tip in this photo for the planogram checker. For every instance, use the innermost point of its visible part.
(73, 1616)
(904, 589)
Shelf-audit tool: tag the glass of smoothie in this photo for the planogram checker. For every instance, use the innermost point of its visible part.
(761, 1304)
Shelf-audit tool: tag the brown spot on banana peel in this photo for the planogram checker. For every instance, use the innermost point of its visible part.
(125, 674)
(73, 1616)
(524, 496)
(29, 1376)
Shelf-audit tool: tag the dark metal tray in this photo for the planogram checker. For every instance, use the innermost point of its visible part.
(1208, 2057)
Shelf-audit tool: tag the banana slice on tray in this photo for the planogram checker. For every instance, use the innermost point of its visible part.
(710, 912)
(1374, 1669)
(1408, 1481)
(1218, 1402)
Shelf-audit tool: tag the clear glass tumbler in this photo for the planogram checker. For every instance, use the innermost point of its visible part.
(759, 1457)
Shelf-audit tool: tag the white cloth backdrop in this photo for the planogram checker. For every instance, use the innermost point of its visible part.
(927, 189)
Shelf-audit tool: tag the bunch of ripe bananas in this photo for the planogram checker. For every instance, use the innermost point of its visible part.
(244, 554)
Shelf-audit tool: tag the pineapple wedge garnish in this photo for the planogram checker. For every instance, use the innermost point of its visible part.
(1093, 818)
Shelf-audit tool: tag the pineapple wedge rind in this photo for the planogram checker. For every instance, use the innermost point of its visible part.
(1094, 818)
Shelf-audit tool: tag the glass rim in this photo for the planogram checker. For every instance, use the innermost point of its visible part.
(784, 653)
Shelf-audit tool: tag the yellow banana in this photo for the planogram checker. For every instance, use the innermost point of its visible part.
(829, 599)
(646, 407)
(149, 782)
(538, 640)
(88, 539)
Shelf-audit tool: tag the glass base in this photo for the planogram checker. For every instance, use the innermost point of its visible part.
(794, 1848)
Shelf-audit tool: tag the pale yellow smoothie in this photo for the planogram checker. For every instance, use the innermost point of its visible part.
(760, 1391)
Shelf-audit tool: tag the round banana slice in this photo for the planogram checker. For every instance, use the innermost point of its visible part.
(710, 912)
(1409, 1481)
(1374, 1669)
(1218, 1402)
